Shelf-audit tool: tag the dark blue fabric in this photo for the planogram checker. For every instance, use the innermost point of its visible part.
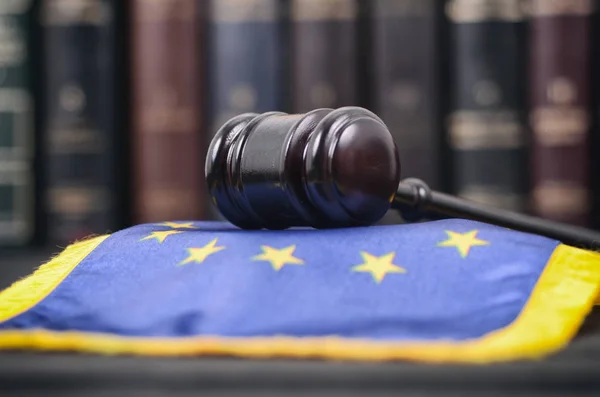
(132, 286)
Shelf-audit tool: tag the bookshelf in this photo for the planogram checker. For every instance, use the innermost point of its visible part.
(107, 107)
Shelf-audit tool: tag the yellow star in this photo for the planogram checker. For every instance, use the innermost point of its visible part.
(378, 266)
(462, 241)
(161, 235)
(175, 225)
(198, 255)
(278, 257)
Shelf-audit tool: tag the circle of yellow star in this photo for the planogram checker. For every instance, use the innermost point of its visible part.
(175, 225)
(378, 266)
(278, 257)
(160, 236)
(198, 255)
(462, 241)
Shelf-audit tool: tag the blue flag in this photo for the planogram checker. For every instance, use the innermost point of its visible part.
(442, 291)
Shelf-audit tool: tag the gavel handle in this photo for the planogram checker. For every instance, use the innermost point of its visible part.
(415, 200)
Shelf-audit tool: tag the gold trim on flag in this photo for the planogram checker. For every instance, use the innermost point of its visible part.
(563, 296)
(29, 291)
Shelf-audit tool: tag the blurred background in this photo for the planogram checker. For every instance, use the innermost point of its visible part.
(107, 107)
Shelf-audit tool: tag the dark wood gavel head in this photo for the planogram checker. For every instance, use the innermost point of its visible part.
(324, 169)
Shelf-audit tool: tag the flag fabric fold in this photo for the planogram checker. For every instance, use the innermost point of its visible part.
(442, 291)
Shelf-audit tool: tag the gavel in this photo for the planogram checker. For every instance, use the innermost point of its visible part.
(335, 168)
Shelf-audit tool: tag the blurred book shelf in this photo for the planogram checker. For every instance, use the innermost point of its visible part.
(107, 107)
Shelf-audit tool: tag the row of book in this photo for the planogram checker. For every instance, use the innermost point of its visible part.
(107, 106)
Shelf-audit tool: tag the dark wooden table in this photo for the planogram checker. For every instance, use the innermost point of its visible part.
(573, 372)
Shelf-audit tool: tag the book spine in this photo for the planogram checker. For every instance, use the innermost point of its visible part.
(594, 142)
(79, 118)
(486, 124)
(167, 146)
(324, 54)
(17, 178)
(560, 109)
(246, 60)
(406, 82)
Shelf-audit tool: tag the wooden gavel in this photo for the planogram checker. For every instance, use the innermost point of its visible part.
(332, 168)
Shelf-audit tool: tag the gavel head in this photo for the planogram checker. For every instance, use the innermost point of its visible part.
(324, 169)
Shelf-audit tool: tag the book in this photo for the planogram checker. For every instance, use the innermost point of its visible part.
(80, 131)
(594, 141)
(167, 113)
(17, 127)
(246, 58)
(247, 61)
(486, 128)
(325, 58)
(406, 81)
(560, 115)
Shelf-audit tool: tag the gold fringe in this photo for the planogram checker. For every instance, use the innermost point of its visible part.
(27, 292)
(559, 303)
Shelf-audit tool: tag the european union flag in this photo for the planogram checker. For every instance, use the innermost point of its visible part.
(443, 291)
